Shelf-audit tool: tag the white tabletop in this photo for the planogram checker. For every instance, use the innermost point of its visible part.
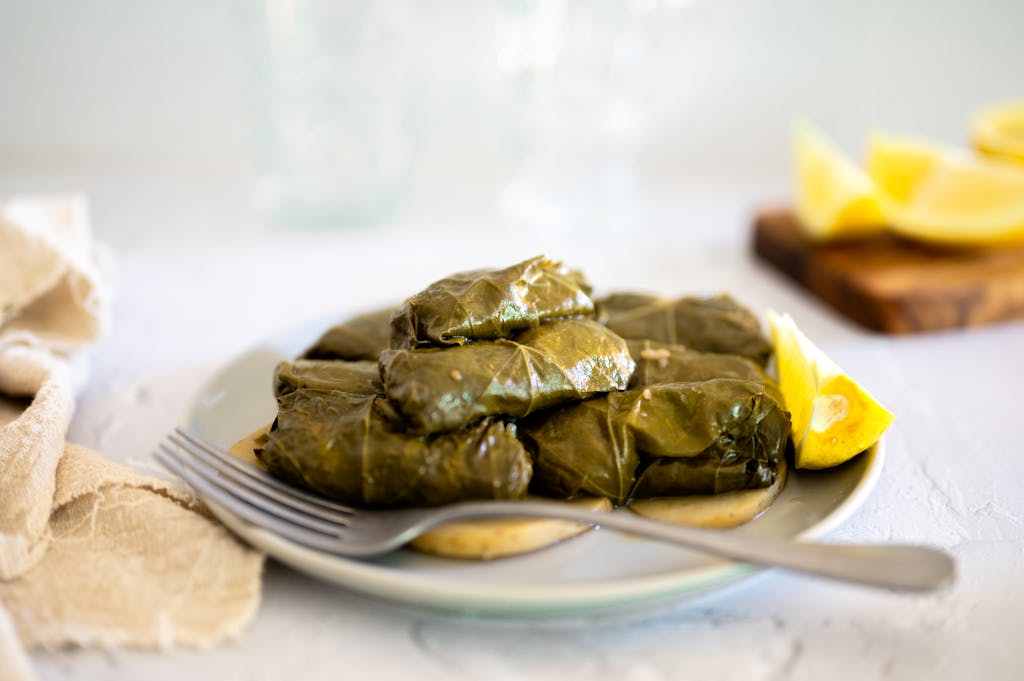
(197, 284)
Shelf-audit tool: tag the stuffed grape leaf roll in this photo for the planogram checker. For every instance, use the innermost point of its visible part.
(439, 389)
(354, 448)
(666, 363)
(359, 378)
(488, 304)
(581, 449)
(699, 437)
(361, 337)
(715, 324)
(685, 419)
(708, 437)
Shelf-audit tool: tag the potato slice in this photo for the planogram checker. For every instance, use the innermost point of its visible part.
(245, 449)
(471, 539)
(718, 511)
(498, 538)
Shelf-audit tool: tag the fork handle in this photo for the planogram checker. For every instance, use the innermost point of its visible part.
(893, 566)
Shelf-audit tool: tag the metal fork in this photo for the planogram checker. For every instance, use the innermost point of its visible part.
(314, 522)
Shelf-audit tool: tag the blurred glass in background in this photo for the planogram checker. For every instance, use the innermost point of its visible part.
(556, 114)
(338, 108)
(334, 87)
(572, 72)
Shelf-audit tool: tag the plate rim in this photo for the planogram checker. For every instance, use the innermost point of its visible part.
(523, 599)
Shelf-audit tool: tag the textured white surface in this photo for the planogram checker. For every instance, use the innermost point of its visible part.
(714, 83)
(187, 301)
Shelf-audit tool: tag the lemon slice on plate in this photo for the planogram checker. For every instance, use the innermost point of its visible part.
(941, 195)
(835, 197)
(999, 131)
(833, 417)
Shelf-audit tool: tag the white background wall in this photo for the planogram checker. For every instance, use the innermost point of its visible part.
(708, 87)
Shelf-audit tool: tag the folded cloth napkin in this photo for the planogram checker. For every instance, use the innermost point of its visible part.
(91, 553)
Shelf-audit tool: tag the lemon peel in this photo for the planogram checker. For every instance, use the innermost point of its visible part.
(833, 417)
(999, 131)
(835, 197)
(930, 192)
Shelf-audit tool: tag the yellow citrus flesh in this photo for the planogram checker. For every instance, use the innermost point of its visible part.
(932, 193)
(835, 197)
(999, 131)
(834, 418)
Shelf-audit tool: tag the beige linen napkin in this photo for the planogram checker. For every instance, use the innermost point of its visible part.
(91, 553)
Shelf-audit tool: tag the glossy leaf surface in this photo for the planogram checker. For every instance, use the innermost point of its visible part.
(360, 377)
(581, 449)
(354, 448)
(439, 389)
(667, 363)
(679, 438)
(716, 324)
(361, 337)
(490, 304)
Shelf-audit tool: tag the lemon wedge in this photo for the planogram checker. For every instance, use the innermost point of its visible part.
(834, 418)
(999, 131)
(941, 195)
(835, 197)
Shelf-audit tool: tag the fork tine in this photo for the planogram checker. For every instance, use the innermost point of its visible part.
(254, 472)
(253, 496)
(283, 494)
(246, 511)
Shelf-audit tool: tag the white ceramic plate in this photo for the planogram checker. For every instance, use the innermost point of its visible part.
(601, 571)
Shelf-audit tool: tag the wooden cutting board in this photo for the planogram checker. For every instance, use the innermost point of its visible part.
(894, 285)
